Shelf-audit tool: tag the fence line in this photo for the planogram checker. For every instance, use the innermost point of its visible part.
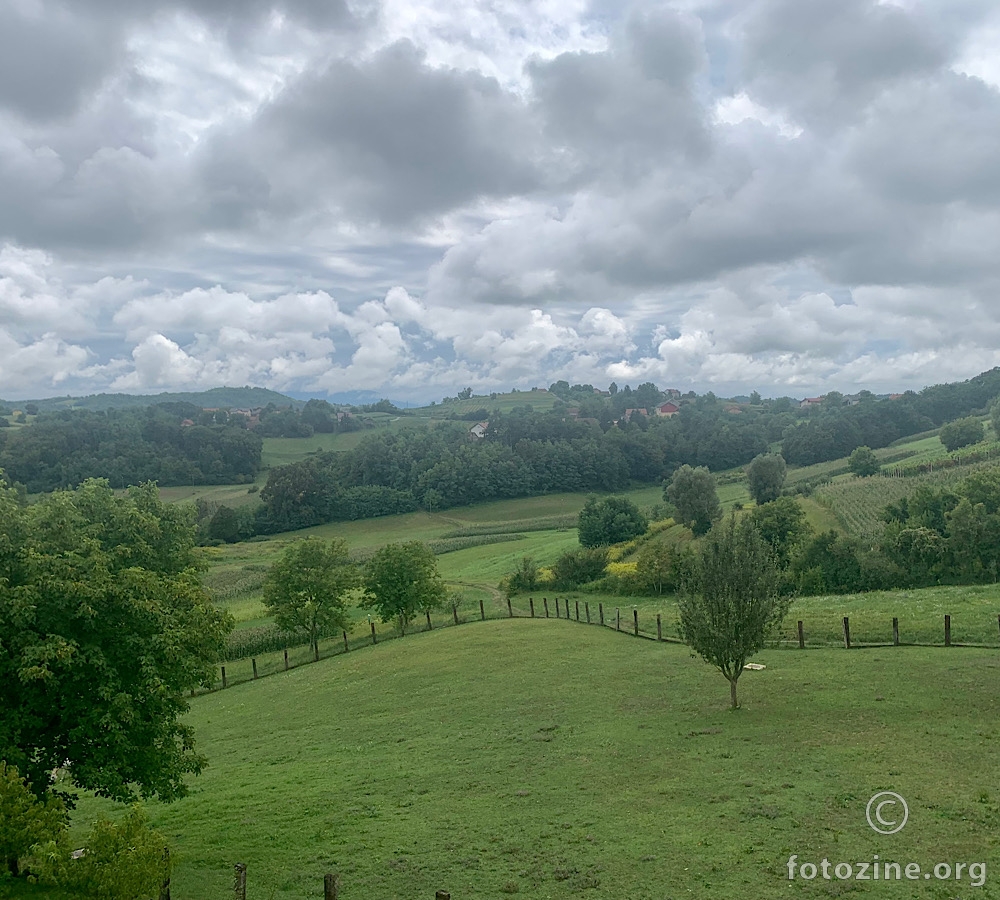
(647, 627)
(331, 886)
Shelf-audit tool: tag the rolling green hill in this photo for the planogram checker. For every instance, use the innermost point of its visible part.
(546, 759)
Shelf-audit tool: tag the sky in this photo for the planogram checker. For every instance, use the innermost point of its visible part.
(415, 196)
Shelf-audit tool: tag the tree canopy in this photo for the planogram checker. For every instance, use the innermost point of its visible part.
(401, 580)
(103, 629)
(610, 520)
(863, 462)
(693, 494)
(306, 589)
(961, 433)
(732, 598)
(766, 474)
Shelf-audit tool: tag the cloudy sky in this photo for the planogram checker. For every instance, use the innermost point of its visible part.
(414, 196)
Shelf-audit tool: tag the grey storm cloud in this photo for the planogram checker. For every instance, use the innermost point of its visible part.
(798, 190)
(392, 138)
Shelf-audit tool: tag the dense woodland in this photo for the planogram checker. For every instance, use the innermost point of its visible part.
(130, 446)
(588, 442)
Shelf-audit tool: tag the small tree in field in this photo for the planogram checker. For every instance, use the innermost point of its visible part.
(610, 520)
(693, 494)
(863, 462)
(401, 580)
(731, 599)
(766, 474)
(307, 588)
(961, 433)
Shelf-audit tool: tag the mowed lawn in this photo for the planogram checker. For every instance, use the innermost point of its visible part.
(545, 759)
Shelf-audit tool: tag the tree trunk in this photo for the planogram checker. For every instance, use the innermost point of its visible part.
(12, 866)
(732, 693)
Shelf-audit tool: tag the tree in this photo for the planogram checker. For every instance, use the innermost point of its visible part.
(766, 474)
(306, 589)
(863, 462)
(656, 567)
(782, 524)
(754, 398)
(401, 580)
(693, 494)
(225, 525)
(731, 600)
(105, 628)
(610, 520)
(961, 433)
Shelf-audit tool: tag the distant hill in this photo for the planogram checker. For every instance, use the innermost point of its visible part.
(244, 397)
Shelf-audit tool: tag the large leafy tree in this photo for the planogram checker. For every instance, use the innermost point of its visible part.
(307, 588)
(104, 627)
(609, 521)
(766, 475)
(693, 495)
(732, 598)
(401, 580)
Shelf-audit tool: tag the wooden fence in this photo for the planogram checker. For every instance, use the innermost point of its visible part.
(331, 886)
(625, 620)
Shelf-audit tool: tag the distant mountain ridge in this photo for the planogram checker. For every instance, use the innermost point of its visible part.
(232, 397)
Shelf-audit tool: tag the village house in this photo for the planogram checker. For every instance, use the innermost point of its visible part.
(478, 430)
(667, 409)
(810, 402)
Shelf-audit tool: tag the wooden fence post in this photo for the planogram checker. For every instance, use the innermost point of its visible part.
(600, 610)
(895, 631)
(998, 621)
(240, 881)
(531, 603)
(635, 619)
(586, 605)
(659, 628)
(165, 886)
(577, 610)
(331, 887)
(545, 600)
(482, 610)
(374, 640)
(618, 618)
(510, 609)
(253, 662)
(557, 607)
(802, 637)
(454, 612)
(224, 677)
(286, 659)
(947, 631)
(847, 633)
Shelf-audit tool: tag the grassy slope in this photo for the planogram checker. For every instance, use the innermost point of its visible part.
(561, 761)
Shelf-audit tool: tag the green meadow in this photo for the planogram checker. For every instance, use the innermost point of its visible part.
(546, 759)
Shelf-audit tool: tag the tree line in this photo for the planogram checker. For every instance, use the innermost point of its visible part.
(129, 447)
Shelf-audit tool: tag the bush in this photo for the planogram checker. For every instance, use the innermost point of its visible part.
(863, 462)
(611, 520)
(25, 820)
(123, 861)
(579, 567)
(961, 433)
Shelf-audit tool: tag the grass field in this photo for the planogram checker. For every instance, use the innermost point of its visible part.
(550, 760)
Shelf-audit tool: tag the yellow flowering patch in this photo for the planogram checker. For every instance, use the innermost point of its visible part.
(621, 568)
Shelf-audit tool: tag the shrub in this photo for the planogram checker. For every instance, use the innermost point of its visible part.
(25, 820)
(124, 860)
(961, 433)
(610, 520)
